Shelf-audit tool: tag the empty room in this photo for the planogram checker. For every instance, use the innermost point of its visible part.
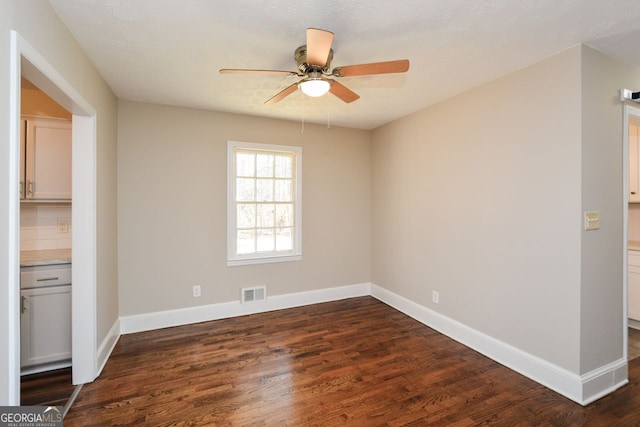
(268, 213)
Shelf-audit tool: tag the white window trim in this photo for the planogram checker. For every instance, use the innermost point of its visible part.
(261, 258)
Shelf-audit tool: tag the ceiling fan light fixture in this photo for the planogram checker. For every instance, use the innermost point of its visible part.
(315, 86)
(313, 62)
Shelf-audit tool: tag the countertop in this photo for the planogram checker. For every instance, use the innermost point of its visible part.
(51, 257)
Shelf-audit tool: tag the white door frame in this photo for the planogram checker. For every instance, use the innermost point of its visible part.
(27, 61)
(628, 111)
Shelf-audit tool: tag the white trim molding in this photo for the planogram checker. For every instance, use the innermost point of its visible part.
(294, 153)
(107, 345)
(27, 61)
(204, 313)
(582, 389)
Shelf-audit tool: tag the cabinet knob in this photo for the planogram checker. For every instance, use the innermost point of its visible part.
(633, 192)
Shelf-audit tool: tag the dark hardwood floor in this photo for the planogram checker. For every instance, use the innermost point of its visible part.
(52, 388)
(351, 362)
(634, 343)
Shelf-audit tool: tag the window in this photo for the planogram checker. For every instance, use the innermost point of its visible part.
(264, 222)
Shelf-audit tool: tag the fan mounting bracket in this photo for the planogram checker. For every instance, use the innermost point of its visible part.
(300, 56)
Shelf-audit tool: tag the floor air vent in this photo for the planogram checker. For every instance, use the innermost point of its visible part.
(258, 293)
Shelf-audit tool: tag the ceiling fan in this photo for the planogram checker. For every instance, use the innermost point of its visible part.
(314, 60)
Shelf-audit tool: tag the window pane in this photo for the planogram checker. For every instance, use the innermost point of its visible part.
(283, 190)
(284, 215)
(245, 164)
(264, 188)
(246, 242)
(265, 165)
(245, 190)
(266, 241)
(246, 217)
(266, 216)
(284, 239)
(283, 166)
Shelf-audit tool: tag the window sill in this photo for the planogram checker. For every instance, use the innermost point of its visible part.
(262, 260)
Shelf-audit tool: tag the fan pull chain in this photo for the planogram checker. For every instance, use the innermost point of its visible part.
(328, 112)
(302, 124)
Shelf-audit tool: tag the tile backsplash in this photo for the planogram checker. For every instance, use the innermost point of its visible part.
(45, 226)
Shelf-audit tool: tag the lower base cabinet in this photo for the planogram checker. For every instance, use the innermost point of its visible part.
(45, 329)
(633, 297)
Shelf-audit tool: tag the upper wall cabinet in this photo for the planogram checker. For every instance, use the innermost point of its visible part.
(634, 164)
(47, 159)
(23, 144)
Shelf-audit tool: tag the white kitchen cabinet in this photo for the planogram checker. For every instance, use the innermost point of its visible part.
(47, 159)
(634, 164)
(45, 325)
(633, 284)
(23, 145)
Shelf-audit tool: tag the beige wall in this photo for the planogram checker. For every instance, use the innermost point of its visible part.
(602, 180)
(172, 207)
(39, 26)
(479, 199)
(490, 189)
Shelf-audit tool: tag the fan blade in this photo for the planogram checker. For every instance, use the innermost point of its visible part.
(343, 92)
(282, 94)
(399, 66)
(318, 46)
(272, 72)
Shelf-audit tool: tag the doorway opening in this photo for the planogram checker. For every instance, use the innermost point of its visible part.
(28, 62)
(45, 249)
(632, 220)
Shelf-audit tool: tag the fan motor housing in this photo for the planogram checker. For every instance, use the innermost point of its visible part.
(301, 60)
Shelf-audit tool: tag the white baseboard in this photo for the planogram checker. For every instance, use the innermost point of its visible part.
(204, 313)
(45, 367)
(604, 380)
(582, 389)
(107, 345)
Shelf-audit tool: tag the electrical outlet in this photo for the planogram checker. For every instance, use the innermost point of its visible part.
(435, 297)
(63, 226)
(196, 291)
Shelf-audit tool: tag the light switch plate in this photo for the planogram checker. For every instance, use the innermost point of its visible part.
(591, 220)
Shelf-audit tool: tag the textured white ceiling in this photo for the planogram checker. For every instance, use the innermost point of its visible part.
(170, 51)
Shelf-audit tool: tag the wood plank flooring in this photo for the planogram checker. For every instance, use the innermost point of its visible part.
(351, 362)
(51, 388)
(634, 343)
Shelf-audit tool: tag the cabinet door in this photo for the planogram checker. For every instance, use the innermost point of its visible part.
(633, 293)
(45, 329)
(633, 296)
(23, 144)
(48, 166)
(634, 165)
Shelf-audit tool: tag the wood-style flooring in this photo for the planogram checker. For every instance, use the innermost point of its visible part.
(52, 388)
(352, 362)
(634, 343)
